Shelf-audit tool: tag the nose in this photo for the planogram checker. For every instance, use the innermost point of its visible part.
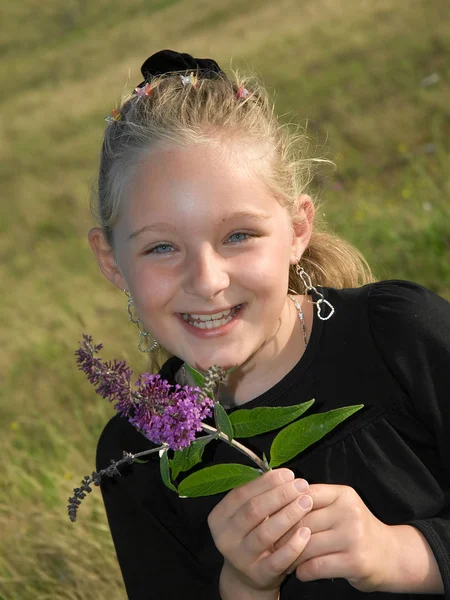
(206, 274)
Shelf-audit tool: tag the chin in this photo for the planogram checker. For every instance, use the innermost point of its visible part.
(225, 364)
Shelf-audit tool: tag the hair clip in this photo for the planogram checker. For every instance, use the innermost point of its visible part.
(145, 90)
(242, 92)
(189, 79)
(114, 116)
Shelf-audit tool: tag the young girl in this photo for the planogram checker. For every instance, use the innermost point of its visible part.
(207, 228)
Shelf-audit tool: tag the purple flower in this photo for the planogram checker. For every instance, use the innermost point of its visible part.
(113, 380)
(170, 417)
(162, 413)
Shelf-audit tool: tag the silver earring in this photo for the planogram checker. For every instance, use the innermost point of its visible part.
(306, 279)
(146, 343)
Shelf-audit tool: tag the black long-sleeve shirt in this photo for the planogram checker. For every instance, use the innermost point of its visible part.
(387, 346)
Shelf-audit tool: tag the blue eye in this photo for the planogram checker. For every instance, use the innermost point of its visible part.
(160, 249)
(239, 233)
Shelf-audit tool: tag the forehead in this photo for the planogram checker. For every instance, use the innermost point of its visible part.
(205, 181)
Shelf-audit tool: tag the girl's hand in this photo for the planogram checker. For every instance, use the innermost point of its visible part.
(347, 541)
(250, 520)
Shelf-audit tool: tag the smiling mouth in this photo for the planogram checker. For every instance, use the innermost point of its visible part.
(212, 321)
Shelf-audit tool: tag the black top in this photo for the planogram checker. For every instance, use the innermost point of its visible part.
(388, 347)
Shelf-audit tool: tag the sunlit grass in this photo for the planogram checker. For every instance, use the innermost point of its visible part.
(355, 71)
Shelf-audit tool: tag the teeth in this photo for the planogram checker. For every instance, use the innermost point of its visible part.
(211, 321)
(212, 324)
(211, 317)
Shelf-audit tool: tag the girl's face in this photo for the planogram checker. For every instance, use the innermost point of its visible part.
(204, 249)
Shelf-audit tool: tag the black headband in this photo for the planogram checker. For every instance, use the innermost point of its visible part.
(169, 61)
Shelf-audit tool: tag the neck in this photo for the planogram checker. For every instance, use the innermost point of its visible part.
(270, 363)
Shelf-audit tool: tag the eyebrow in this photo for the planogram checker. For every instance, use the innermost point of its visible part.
(242, 214)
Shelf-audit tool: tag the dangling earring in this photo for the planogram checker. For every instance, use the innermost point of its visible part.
(306, 279)
(144, 336)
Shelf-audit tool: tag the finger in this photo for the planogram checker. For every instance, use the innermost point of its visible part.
(287, 536)
(260, 508)
(267, 533)
(279, 561)
(240, 495)
(329, 566)
(316, 520)
(323, 494)
(320, 544)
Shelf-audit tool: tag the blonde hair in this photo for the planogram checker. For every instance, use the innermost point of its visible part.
(215, 111)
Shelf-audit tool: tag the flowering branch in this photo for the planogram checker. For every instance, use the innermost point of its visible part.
(172, 415)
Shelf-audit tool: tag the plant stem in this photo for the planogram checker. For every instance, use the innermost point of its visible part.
(212, 436)
(139, 454)
(240, 447)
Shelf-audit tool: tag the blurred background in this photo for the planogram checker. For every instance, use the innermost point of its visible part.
(372, 81)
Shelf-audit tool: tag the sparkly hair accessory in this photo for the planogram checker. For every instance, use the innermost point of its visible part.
(114, 116)
(169, 62)
(242, 92)
(190, 79)
(145, 90)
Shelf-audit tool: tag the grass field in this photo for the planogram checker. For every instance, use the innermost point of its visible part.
(371, 79)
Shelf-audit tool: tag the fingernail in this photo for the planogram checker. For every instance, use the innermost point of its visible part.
(305, 502)
(305, 533)
(301, 485)
(287, 475)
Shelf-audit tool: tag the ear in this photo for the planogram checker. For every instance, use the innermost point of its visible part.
(104, 254)
(302, 225)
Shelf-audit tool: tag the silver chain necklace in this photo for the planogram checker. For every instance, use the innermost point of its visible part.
(301, 316)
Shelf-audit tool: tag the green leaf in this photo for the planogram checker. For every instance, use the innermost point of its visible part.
(165, 471)
(298, 436)
(250, 422)
(216, 479)
(185, 459)
(223, 422)
(140, 461)
(232, 369)
(198, 378)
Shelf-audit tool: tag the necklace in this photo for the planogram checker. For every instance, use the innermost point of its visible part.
(301, 317)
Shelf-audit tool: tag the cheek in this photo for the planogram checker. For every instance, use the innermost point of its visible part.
(267, 270)
(158, 285)
(150, 286)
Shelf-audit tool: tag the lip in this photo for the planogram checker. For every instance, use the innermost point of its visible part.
(212, 333)
(208, 312)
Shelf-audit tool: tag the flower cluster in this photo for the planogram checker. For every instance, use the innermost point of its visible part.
(169, 417)
(113, 380)
(212, 379)
(166, 414)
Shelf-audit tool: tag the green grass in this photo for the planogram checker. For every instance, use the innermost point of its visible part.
(351, 70)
